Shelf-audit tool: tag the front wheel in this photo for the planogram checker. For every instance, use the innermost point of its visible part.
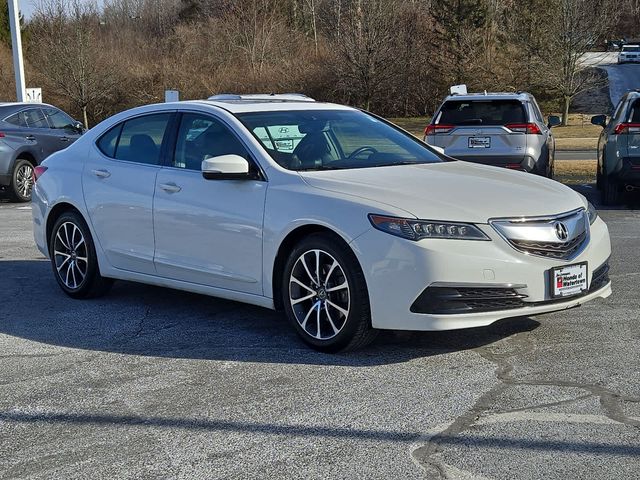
(325, 295)
(74, 260)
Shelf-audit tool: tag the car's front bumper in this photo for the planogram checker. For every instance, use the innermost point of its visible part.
(398, 271)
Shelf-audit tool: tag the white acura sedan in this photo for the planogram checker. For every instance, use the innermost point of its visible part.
(334, 215)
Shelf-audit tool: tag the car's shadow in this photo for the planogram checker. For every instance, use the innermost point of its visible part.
(143, 320)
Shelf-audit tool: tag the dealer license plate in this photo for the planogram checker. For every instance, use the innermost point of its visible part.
(569, 280)
(479, 142)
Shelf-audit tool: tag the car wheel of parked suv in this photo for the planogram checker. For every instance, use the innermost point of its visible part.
(21, 181)
(325, 295)
(610, 191)
(73, 258)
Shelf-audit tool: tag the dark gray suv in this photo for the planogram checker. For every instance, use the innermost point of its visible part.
(619, 149)
(500, 129)
(29, 133)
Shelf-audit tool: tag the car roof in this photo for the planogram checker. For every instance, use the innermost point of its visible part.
(523, 96)
(246, 105)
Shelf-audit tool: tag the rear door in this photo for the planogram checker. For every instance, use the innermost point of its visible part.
(40, 132)
(118, 182)
(485, 131)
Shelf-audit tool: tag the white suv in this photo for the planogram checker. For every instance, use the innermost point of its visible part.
(334, 215)
(629, 53)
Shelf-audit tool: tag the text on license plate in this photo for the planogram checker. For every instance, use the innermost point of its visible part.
(569, 280)
(479, 142)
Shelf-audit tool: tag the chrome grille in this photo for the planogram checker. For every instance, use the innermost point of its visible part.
(540, 236)
(551, 250)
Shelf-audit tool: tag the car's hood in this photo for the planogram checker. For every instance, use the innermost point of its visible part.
(455, 191)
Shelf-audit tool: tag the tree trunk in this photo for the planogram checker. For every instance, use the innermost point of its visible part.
(84, 117)
(565, 112)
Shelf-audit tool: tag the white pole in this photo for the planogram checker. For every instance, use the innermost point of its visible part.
(16, 44)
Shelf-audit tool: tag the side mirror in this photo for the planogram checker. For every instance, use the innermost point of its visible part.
(600, 120)
(78, 127)
(225, 167)
(554, 121)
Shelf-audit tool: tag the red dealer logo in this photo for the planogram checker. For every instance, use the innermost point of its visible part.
(559, 282)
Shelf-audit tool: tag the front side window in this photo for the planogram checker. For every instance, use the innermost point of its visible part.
(16, 119)
(35, 118)
(334, 139)
(481, 112)
(201, 137)
(141, 139)
(58, 119)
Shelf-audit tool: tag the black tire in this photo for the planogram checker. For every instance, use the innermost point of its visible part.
(21, 181)
(67, 249)
(598, 179)
(354, 328)
(610, 191)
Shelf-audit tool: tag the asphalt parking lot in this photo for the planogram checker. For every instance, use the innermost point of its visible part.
(153, 383)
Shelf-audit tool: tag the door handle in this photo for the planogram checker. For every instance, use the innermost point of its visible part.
(64, 139)
(170, 187)
(30, 138)
(101, 173)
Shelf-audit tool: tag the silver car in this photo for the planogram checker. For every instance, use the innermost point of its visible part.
(29, 133)
(500, 129)
(619, 149)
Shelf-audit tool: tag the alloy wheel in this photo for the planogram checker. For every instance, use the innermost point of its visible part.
(24, 180)
(70, 255)
(319, 294)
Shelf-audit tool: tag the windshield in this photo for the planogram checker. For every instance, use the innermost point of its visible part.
(631, 48)
(334, 139)
(481, 112)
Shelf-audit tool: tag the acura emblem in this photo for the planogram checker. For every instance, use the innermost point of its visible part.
(561, 231)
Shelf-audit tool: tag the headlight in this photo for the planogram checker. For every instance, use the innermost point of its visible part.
(592, 212)
(412, 229)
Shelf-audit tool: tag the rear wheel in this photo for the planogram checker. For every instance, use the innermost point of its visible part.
(21, 181)
(325, 295)
(74, 260)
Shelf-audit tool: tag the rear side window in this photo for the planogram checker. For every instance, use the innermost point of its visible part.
(634, 114)
(481, 112)
(141, 139)
(107, 143)
(16, 119)
(35, 118)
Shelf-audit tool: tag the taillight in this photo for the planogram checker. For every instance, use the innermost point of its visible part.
(438, 129)
(38, 171)
(1, 135)
(624, 128)
(530, 128)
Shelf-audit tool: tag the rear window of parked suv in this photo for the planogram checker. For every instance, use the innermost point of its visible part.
(481, 112)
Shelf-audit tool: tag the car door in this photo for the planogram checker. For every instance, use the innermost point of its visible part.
(39, 131)
(118, 181)
(62, 130)
(208, 232)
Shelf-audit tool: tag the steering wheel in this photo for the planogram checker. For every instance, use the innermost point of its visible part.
(360, 150)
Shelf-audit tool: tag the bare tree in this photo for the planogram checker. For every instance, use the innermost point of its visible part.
(574, 29)
(69, 55)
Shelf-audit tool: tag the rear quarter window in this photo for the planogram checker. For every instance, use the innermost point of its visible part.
(108, 141)
(481, 112)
